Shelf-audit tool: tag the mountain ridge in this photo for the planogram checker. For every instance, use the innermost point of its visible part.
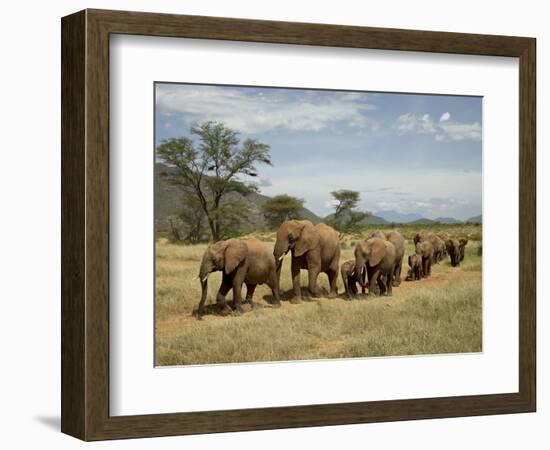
(167, 204)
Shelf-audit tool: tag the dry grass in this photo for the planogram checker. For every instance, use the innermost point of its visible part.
(439, 315)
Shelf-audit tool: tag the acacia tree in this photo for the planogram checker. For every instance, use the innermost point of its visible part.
(345, 218)
(280, 208)
(210, 169)
(346, 201)
(193, 217)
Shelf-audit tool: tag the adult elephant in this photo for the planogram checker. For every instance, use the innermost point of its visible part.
(426, 251)
(439, 248)
(396, 238)
(247, 261)
(438, 244)
(315, 248)
(378, 256)
(444, 237)
(453, 249)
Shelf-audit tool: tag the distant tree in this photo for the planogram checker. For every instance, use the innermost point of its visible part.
(210, 170)
(345, 218)
(280, 208)
(346, 200)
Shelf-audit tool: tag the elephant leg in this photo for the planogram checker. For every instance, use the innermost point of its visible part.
(373, 280)
(347, 286)
(397, 274)
(389, 284)
(333, 279)
(295, 270)
(250, 288)
(425, 268)
(313, 274)
(238, 280)
(353, 287)
(381, 285)
(224, 309)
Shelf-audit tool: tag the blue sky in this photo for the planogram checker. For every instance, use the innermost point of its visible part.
(409, 153)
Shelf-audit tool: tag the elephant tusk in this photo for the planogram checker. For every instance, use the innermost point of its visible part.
(205, 278)
(282, 256)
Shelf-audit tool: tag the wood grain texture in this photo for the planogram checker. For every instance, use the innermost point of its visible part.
(73, 227)
(85, 224)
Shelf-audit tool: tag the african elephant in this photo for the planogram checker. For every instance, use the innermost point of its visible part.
(462, 245)
(453, 249)
(444, 237)
(315, 248)
(351, 277)
(437, 243)
(378, 256)
(439, 248)
(415, 264)
(426, 251)
(398, 242)
(247, 261)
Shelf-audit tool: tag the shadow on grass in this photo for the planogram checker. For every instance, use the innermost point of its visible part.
(214, 310)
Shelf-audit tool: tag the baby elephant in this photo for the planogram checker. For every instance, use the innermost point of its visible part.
(415, 264)
(350, 277)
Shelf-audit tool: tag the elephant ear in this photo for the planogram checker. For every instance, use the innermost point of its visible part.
(308, 240)
(235, 253)
(377, 251)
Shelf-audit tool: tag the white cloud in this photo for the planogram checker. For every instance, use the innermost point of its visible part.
(431, 193)
(456, 131)
(412, 123)
(444, 130)
(243, 112)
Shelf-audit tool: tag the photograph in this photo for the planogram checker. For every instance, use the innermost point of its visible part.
(295, 224)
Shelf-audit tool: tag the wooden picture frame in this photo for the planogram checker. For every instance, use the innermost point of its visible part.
(85, 224)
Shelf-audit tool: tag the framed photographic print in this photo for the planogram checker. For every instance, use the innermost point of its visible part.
(273, 225)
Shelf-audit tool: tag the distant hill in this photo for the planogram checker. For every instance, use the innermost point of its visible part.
(168, 202)
(448, 220)
(475, 219)
(371, 219)
(423, 221)
(397, 217)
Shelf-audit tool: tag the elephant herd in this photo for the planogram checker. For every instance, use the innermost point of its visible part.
(316, 248)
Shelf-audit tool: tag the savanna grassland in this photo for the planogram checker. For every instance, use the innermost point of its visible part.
(440, 314)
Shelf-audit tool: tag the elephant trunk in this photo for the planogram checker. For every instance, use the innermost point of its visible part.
(206, 269)
(280, 250)
(204, 288)
(360, 268)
